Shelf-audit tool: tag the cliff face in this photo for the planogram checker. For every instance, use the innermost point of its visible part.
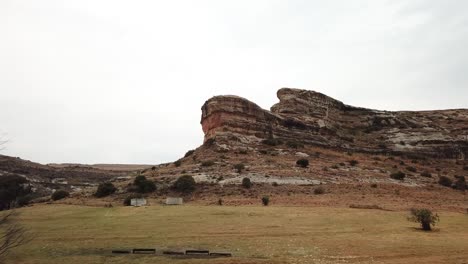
(313, 118)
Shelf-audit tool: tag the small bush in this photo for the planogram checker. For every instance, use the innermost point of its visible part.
(207, 163)
(185, 184)
(59, 194)
(246, 183)
(398, 175)
(334, 167)
(265, 200)
(105, 189)
(144, 185)
(153, 168)
(426, 174)
(189, 153)
(177, 163)
(411, 169)
(275, 184)
(445, 181)
(272, 142)
(304, 163)
(239, 167)
(128, 199)
(460, 183)
(425, 217)
(353, 162)
(319, 190)
(373, 185)
(220, 201)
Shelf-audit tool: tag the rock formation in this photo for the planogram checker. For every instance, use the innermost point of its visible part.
(309, 117)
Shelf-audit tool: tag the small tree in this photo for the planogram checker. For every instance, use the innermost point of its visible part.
(185, 184)
(425, 217)
(239, 167)
(445, 181)
(105, 189)
(460, 183)
(398, 175)
(60, 194)
(304, 163)
(144, 185)
(265, 200)
(246, 183)
(319, 190)
(13, 234)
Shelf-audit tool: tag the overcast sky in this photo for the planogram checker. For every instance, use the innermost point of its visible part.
(123, 81)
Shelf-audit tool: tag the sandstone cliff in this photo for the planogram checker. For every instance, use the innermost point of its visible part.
(309, 117)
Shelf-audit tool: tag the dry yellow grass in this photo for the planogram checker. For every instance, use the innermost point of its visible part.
(79, 234)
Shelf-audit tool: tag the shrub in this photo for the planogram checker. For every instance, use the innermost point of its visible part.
(319, 190)
(445, 181)
(207, 163)
(265, 200)
(373, 185)
(426, 174)
(272, 142)
(105, 189)
(411, 169)
(275, 184)
(246, 183)
(460, 183)
(220, 201)
(144, 185)
(304, 163)
(353, 162)
(59, 194)
(239, 167)
(177, 163)
(425, 217)
(128, 199)
(12, 188)
(153, 168)
(185, 184)
(189, 153)
(398, 175)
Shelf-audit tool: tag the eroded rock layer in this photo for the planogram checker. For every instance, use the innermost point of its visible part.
(309, 117)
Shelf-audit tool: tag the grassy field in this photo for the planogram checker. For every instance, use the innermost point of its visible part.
(77, 234)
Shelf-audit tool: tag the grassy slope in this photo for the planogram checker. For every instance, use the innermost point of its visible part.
(75, 234)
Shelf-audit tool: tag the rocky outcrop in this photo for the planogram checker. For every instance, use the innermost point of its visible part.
(309, 117)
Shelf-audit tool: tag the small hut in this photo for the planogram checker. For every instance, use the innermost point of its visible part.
(174, 201)
(138, 202)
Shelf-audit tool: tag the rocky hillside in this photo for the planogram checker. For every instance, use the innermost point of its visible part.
(355, 155)
(44, 178)
(308, 117)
